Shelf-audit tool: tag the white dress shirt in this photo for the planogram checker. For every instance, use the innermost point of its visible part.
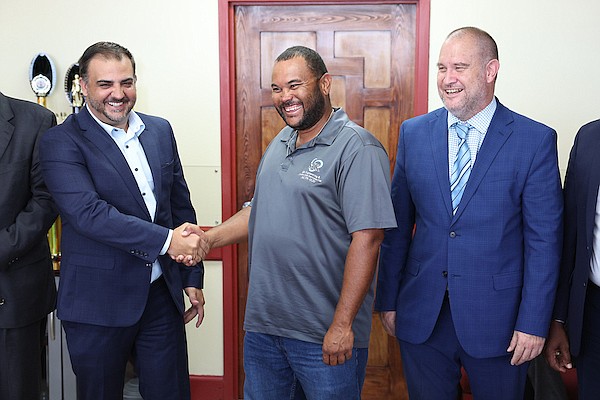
(129, 144)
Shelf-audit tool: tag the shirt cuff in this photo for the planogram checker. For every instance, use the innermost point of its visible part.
(167, 243)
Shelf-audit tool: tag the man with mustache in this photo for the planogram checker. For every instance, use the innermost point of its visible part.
(117, 180)
(320, 205)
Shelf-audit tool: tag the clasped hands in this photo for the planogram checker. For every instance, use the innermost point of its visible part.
(189, 244)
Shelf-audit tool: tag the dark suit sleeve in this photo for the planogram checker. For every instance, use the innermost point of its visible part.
(394, 248)
(34, 220)
(542, 205)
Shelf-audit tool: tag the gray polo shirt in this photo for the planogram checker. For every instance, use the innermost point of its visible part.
(306, 204)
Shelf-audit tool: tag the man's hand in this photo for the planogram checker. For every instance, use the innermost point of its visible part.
(525, 347)
(388, 320)
(186, 248)
(197, 300)
(557, 351)
(337, 345)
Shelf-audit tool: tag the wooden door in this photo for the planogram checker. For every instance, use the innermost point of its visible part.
(370, 50)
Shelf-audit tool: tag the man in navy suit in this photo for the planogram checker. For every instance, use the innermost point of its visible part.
(27, 290)
(577, 307)
(471, 282)
(118, 183)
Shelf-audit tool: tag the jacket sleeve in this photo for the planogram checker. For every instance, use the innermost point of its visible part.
(33, 221)
(394, 248)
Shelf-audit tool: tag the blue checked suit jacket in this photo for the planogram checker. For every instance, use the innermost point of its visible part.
(498, 256)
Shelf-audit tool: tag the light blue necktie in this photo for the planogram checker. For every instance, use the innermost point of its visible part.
(461, 169)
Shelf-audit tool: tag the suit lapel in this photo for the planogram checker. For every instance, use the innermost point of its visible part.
(497, 134)
(98, 136)
(439, 150)
(6, 128)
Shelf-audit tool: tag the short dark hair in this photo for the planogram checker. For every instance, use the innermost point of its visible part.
(107, 50)
(313, 59)
(487, 44)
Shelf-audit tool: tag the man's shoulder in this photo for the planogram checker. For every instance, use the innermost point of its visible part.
(28, 109)
(506, 115)
(351, 131)
(360, 135)
(590, 128)
(426, 118)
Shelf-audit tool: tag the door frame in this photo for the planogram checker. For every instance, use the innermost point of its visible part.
(228, 149)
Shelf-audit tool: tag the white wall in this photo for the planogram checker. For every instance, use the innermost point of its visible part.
(548, 53)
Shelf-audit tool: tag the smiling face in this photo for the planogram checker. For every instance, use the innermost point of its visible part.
(109, 89)
(299, 97)
(466, 77)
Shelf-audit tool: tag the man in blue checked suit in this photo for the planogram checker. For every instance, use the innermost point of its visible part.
(469, 276)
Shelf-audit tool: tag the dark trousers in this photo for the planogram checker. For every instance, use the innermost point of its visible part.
(156, 342)
(588, 361)
(21, 361)
(432, 369)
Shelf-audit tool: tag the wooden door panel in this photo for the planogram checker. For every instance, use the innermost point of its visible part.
(369, 50)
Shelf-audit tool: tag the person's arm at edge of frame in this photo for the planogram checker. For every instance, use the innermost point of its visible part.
(557, 349)
(34, 220)
(361, 263)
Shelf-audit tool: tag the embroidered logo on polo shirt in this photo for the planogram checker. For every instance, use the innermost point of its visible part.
(315, 166)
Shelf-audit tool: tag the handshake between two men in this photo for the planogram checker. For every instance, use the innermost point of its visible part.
(189, 244)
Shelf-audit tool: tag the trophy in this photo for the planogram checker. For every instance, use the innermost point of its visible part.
(42, 76)
(73, 88)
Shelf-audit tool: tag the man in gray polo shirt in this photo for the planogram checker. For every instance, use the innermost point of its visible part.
(320, 207)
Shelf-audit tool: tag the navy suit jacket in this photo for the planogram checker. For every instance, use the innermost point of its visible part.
(498, 256)
(580, 193)
(108, 239)
(27, 290)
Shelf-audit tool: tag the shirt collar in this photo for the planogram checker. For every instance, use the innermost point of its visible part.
(326, 136)
(480, 121)
(136, 125)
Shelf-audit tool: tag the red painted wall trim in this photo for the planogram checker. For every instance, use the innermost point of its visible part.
(422, 58)
(228, 190)
(206, 387)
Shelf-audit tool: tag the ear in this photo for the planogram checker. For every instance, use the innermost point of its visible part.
(491, 70)
(325, 83)
(84, 87)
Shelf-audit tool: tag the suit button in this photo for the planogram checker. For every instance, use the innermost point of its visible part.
(1, 302)
(452, 234)
(445, 274)
(149, 265)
